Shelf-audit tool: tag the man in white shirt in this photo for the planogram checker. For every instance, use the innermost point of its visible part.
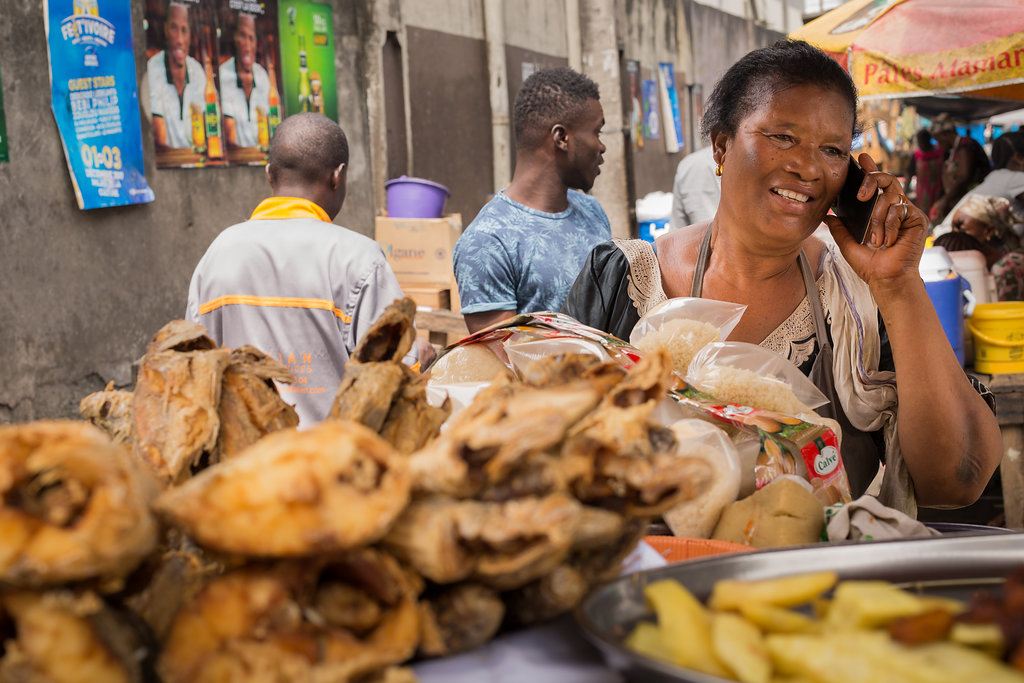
(176, 82)
(244, 87)
(696, 190)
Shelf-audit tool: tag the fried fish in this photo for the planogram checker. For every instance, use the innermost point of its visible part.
(75, 504)
(333, 487)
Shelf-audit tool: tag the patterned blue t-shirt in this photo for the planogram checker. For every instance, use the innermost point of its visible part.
(514, 257)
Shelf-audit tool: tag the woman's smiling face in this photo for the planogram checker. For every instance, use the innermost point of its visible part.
(786, 162)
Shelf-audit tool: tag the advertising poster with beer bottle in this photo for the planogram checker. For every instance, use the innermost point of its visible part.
(249, 77)
(95, 100)
(307, 57)
(182, 64)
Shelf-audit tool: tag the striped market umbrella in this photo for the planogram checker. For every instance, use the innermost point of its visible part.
(912, 48)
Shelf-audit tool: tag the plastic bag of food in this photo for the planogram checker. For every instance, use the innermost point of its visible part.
(737, 372)
(697, 518)
(478, 362)
(526, 346)
(459, 395)
(765, 404)
(684, 325)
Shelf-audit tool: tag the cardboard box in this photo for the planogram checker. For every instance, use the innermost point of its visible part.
(420, 249)
(438, 298)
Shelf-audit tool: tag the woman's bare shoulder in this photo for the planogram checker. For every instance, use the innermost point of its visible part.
(682, 241)
(677, 256)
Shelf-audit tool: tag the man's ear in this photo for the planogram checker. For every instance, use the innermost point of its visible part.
(338, 176)
(560, 136)
(270, 175)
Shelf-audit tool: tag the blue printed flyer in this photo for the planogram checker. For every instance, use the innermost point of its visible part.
(95, 100)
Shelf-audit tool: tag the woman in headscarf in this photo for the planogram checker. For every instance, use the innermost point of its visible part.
(990, 220)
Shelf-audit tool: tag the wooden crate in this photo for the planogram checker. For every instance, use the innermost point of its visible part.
(442, 327)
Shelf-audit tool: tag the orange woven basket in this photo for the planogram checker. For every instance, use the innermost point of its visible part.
(675, 549)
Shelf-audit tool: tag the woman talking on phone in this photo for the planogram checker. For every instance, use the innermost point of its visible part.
(854, 317)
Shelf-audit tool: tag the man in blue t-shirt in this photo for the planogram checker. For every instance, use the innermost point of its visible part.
(525, 248)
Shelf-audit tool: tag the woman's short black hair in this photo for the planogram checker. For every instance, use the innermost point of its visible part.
(749, 82)
(1005, 146)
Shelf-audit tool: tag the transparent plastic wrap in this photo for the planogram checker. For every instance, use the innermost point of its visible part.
(459, 395)
(684, 325)
(469, 363)
(524, 347)
(463, 369)
(738, 372)
(697, 518)
(531, 336)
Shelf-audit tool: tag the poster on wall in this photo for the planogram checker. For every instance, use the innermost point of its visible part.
(307, 57)
(4, 156)
(650, 110)
(248, 77)
(671, 116)
(95, 100)
(636, 110)
(184, 95)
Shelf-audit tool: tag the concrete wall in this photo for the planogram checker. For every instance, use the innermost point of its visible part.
(782, 16)
(724, 38)
(83, 291)
(656, 31)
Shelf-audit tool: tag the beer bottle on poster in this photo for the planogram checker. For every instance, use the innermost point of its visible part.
(198, 128)
(305, 91)
(213, 148)
(317, 97)
(273, 97)
(262, 128)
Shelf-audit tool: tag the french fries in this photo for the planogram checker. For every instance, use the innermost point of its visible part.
(864, 631)
(739, 644)
(782, 592)
(685, 627)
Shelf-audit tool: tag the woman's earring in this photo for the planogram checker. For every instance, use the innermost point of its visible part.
(718, 170)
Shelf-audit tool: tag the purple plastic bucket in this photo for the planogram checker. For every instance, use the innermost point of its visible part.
(415, 198)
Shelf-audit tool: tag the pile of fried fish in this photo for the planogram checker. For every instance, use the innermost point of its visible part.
(192, 533)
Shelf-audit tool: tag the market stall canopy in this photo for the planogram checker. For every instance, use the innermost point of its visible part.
(1010, 118)
(915, 48)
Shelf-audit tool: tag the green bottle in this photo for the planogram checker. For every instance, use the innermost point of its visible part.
(305, 91)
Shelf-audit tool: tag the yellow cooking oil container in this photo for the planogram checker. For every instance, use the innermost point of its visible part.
(998, 330)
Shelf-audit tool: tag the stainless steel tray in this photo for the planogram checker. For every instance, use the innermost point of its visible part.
(953, 565)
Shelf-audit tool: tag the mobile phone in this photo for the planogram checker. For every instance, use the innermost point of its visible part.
(854, 213)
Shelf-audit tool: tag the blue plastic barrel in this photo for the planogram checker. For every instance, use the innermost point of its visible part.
(948, 298)
(651, 230)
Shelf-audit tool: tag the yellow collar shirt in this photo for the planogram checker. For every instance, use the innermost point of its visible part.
(299, 288)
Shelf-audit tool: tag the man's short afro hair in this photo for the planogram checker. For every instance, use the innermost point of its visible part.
(307, 146)
(548, 97)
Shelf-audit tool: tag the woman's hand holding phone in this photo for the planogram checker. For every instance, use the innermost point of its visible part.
(885, 247)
